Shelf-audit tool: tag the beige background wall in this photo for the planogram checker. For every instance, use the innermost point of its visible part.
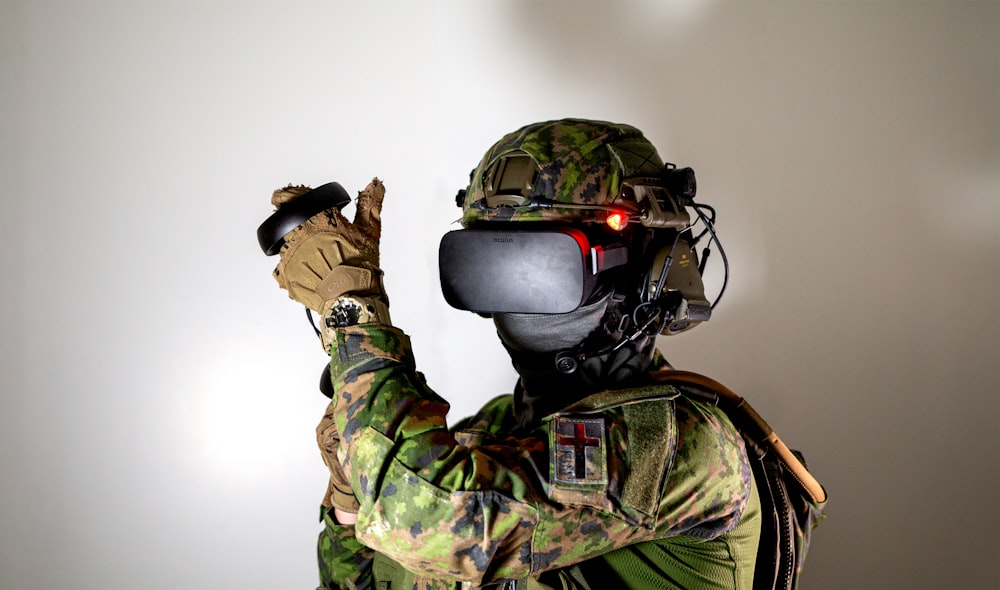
(159, 392)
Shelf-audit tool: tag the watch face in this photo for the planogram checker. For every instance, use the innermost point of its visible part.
(346, 312)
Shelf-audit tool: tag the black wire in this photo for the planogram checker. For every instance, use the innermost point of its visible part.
(710, 227)
(313, 323)
(698, 207)
(642, 325)
(706, 206)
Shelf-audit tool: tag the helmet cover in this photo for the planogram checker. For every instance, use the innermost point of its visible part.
(565, 171)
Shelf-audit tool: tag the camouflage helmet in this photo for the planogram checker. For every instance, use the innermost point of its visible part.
(567, 170)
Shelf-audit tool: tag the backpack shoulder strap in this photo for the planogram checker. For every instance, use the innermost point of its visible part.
(749, 422)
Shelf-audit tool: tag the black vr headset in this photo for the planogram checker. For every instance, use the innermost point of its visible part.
(523, 271)
(512, 268)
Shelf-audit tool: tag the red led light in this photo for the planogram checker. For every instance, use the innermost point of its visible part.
(617, 221)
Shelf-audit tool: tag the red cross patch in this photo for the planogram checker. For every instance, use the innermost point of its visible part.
(578, 450)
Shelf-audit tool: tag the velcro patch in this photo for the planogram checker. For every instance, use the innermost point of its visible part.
(578, 452)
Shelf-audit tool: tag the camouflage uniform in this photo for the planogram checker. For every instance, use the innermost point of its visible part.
(642, 485)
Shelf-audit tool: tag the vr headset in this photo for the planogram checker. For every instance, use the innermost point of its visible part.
(522, 271)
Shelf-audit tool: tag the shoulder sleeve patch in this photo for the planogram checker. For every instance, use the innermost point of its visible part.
(578, 452)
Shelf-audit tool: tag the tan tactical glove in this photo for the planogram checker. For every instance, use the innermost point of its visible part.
(327, 256)
(338, 493)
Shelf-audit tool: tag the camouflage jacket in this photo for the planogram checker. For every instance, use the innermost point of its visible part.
(478, 504)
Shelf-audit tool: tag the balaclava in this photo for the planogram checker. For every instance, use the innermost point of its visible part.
(534, 340)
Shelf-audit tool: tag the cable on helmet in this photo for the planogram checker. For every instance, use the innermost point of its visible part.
(710, 228)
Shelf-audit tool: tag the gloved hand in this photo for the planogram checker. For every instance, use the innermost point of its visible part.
(339, 493)
(328, 256)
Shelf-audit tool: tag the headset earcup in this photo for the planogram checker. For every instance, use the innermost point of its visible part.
(684, 292)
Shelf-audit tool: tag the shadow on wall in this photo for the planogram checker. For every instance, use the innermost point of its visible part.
(851, 152)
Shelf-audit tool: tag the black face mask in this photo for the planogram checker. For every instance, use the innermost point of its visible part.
(542, 388)
(533, 332)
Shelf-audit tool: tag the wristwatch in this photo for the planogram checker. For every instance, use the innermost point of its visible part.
(349, 310)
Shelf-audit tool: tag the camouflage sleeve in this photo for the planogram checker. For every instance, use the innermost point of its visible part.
(505, 507)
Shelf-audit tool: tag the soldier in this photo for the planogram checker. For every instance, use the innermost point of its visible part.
(598, 470)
